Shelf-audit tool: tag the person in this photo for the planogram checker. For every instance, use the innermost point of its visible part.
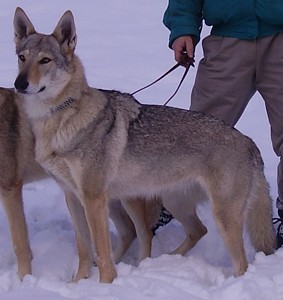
(242, 54)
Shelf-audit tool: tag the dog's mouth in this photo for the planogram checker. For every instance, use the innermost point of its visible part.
(41, 90)
(26, 92)
(21, 92)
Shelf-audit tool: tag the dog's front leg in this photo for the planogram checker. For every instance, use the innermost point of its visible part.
(96, 210)
(83, 238)
(13, 205)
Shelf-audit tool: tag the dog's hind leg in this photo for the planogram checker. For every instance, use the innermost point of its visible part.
(181, 204)
(183, 210)
(125, 227)
(137, 210)
(194, 231)
(82, 236)
(230, 221)
(13, 205)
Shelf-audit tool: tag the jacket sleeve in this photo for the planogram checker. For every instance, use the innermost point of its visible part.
(183, 17)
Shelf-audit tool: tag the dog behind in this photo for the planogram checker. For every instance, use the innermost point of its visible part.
(102, 144)
(17, 167)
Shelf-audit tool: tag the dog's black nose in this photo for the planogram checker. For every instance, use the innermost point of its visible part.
(21, 83)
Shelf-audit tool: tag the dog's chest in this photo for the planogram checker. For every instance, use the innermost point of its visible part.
(47, 157)
(65, 170)
(46, 150)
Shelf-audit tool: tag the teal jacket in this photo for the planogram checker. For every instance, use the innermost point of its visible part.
(243, 19)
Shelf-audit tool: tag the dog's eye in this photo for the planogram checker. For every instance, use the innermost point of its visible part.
(44, 60)
(22, 58)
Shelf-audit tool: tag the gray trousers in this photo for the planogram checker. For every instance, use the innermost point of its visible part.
(229, 74)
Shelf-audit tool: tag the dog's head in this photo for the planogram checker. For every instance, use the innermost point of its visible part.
(44, 60)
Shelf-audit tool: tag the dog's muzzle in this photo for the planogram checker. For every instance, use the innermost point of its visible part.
(21, 83)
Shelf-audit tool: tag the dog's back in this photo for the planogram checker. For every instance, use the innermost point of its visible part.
(178, 143)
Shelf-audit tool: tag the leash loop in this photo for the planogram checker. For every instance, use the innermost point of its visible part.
(158, 79)
(179, 85)
(186, 62)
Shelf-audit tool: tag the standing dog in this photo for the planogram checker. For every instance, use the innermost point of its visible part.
(17, 167)
(102, 144)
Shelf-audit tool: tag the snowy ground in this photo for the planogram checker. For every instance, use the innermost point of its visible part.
(123, 45)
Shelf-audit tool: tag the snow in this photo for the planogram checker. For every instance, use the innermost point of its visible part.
(123, 45)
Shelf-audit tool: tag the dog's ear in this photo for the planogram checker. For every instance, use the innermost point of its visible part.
(65, 33)
(22, 26)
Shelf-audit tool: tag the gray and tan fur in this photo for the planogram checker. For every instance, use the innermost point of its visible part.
(102, 144)
(18, 167)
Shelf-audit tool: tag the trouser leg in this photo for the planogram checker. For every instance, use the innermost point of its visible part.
(279, 201)
(225, 78)
(228, 76)
(269, 84)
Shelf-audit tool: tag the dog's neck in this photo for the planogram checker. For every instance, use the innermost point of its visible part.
(62, 106)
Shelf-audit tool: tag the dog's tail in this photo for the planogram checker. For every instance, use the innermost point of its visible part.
(259, 219)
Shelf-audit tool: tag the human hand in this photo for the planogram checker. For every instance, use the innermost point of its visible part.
(183, 48)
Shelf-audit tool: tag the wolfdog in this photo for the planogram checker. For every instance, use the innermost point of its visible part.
(102, 145)
(18, 167)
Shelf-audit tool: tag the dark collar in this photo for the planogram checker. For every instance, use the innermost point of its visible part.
(62, 106)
